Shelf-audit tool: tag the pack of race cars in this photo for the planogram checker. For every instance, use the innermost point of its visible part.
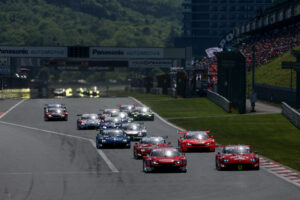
(118, 127)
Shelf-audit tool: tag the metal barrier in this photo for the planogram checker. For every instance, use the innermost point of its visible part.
(137, 89)
(219, 100)
(15, 93)
(292, 114)
(156, 90)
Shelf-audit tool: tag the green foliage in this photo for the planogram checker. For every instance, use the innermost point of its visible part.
(130, 23)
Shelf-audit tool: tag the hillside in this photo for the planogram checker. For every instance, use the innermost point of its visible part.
(272, 73)
(129, 23)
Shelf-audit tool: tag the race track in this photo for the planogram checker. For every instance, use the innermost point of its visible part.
(55, 161)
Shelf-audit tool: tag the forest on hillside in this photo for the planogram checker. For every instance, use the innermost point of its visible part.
(130, 23)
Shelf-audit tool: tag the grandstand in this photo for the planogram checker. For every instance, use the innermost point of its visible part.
(272, 33)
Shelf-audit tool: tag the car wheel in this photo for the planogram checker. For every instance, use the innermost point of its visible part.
(145, 168)
(46, 119)
(183, 169)
(256, 168)
(135, 156)
(218, 166)
(97, 145)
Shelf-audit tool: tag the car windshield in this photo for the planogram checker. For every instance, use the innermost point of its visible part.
(112, 133)
(93, 116)
(56, 110)
(133, 127)
(165, 153)
(126, 107)
(110, 111)
(156, 140)
(112, 119)
(54, 106)
(142, 109)
(197, 136)
(237, 149)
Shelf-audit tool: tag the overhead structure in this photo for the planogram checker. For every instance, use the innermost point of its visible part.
(102, 58)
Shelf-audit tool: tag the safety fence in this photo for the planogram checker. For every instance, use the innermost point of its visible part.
(219, 100)
(292, 114)
(276, 94)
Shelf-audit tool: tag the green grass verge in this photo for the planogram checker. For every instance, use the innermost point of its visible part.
(272, 135)
(170, 107)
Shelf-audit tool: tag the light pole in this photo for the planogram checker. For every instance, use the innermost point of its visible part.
(253, 94)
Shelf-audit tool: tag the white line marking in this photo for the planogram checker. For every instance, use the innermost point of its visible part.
(46, 131)
(12, 108)
(100, 152)
(104, 157)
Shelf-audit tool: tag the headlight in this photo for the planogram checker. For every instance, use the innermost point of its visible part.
(225, 160)
(154, 162)
(49, 115)
(140, 134)
(208, 143)
(103, 141)
(104, 126)
(188, 144)
(252, 160)
(82, 123)
(124, 140)
(143, 150)
(178, 162)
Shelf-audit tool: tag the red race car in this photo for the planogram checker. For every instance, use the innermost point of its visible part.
(196, 140)
(237, 157)
(146, 144)
(164, 158)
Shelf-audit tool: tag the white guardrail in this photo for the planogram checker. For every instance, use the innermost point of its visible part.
(292, 114)
(219, 100)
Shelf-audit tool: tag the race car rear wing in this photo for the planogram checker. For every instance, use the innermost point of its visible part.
(184, 132)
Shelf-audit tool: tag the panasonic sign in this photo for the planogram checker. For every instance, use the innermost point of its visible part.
(102, 52)
(54, 52)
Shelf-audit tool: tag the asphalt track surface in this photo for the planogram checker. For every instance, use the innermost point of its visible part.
(40, 160)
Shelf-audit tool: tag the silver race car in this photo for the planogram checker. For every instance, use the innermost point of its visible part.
(88, 121)
(134, 130)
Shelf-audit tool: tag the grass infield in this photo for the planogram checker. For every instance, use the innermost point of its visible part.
(272, 135)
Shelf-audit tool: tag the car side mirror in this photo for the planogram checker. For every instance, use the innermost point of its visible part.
(218, 153)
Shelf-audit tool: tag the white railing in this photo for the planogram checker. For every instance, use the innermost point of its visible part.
(292, 114)
(220, 100)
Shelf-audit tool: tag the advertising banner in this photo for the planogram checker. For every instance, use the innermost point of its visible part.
(150, 64)
(104, 52)
(30, 52)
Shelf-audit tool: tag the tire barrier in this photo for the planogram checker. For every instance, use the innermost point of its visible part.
(219, 100)
(291, 114)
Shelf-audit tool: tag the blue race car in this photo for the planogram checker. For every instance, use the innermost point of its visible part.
(112, 138)
(111, 122)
